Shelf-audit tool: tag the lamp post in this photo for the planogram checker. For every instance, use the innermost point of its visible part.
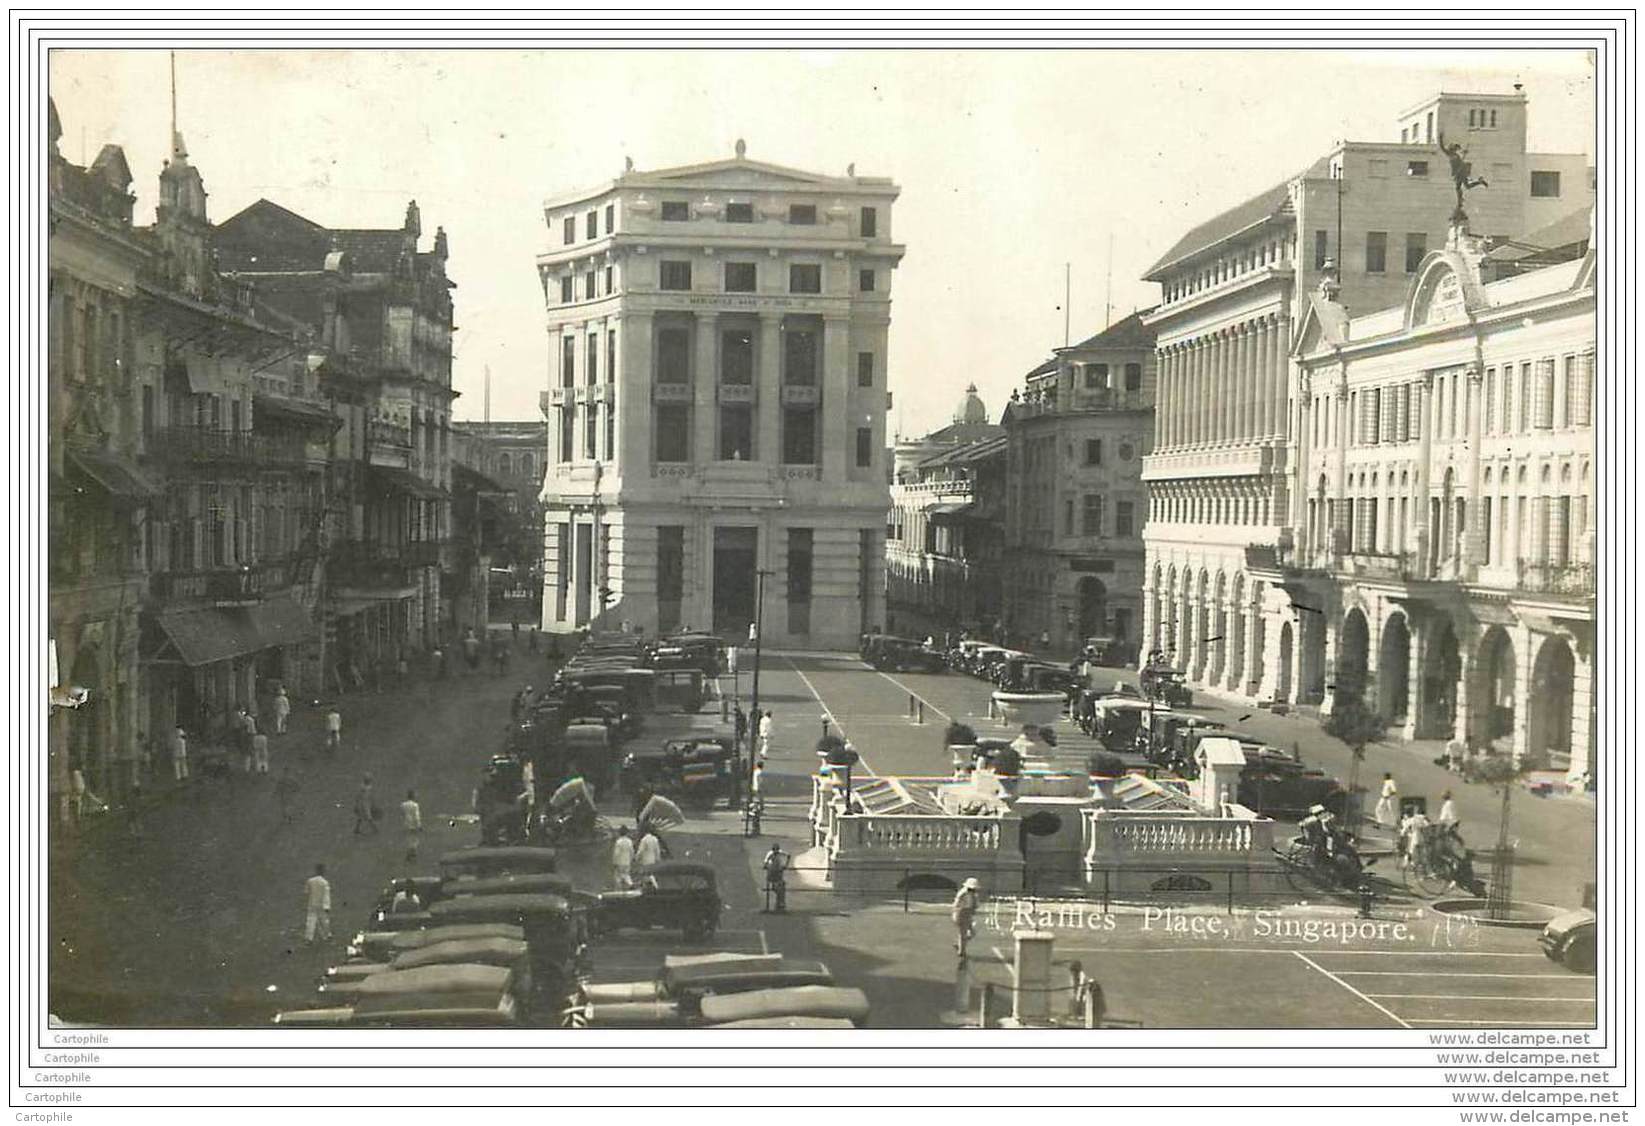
(754, 692)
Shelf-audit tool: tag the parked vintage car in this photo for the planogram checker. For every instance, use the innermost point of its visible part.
(1277, 784)
(1166, 685)
(696, 771)
(382, 946)
(825, 1001)
(904, 654)
(1110, 652)
(671, 894)
(478, 862)
(695, 650)
(1571, 939)
(482, 1008)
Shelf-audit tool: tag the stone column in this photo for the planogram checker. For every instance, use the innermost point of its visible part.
(1419, 537)
(1465, 661)
(837, 439)
(1582, 732)
(1147, 617)
(635, 441)
(1526, 651)
(1278, 373)
(1241, 351)
(1247, 415)
(1164, 396)
(705, 379)
(768, 390)
(1473, 548)
(1254, 671)
(1339, 483)
(1179, 373)
(1416, 692)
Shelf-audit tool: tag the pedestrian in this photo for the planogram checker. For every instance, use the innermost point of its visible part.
(531, 640)
(1387, 810)
(334, 729)
(966, 902)
(765, 735)
(286, 789)
(775, 865)
(499, 658)
(282, 710)
(648, 852)
(1045, 639)
(1447, 811)
(741, 723)
(134, 805)
(406, 901)
(402, 668)
(514, 634)
(411, 820)
(756, 781)
(318, 889)
(248, 740)
(365, 808)
(438, 659)
(471, 650)
(259, 753)
(622, 860)
(179, 755)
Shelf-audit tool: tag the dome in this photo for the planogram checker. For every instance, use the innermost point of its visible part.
(971, 408)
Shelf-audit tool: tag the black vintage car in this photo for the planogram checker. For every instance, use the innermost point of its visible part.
(1167, 686)
(671, 894)
(1277, 784)
(904, 654)
(689, 650)
(697, 771)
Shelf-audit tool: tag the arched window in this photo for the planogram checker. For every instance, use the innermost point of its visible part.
(505, 465)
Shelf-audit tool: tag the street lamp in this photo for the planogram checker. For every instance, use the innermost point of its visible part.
(754, 701)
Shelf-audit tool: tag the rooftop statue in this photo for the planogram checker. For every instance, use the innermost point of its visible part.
(1461, 174)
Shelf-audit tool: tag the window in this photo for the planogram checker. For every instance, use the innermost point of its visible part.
(1417, 169)
(568, 362)
(800, 358)
(1124, 518)
(870, 222)
(1093, 451)
(567, 420)
(610, 218)
(736, 432)
(799, 580)
(1093, 514)
(1544, 185)
(591, 431)
(591, 224)
(800, 436)
(737, 357)
(865, 281)
(1416, 247)
(1133, 377)
(1376, 252)
(802, 214)
(804, 279)
(611, 355)
(676, 275)
(865, 369)
(593, 360)
(676, 211)
(1428, 134)
(1096, 376)
(673, 432)
(673, 356)
(1322, 249)
(610, 277)
(568, 289)
(1525, 396)
(570, 229)
(610, 427)
(865, 447)
(739, 213)
(588, 286)
(740, 277)
(1068, 516)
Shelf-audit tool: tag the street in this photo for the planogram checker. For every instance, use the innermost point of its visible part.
(195, 919)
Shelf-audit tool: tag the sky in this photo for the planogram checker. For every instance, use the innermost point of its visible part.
(1014, 165)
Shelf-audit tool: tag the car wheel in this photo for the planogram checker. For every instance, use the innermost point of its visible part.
(1582, 954)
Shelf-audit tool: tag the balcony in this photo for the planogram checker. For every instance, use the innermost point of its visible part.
(1402, 566)
(1080, 401)
(190, 445)
(1576, 579)
(222, 586)
(363, 566)
(387, 444)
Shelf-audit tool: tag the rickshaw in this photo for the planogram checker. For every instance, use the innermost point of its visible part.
(671, 894)
(569, 816)
(697, 771)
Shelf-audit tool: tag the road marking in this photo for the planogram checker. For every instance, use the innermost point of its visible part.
(828, 713)
(1381, 1009)
(1494, 1023)
(915, 694)
(1443, 973)
(1475, 997)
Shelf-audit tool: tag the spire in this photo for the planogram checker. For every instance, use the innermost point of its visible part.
(179, 151)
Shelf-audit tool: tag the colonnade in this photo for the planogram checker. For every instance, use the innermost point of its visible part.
(1225, 386)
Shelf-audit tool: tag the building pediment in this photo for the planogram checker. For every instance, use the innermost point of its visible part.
(748, 174)
(1447, 290)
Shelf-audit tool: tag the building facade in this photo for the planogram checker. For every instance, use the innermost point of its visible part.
(1079, 432)
(504, 464)
(1446, 530)
(945, 535)
(1224, 476)
(379, 311)
(717, 401)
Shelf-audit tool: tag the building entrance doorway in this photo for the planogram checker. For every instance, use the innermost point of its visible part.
(735, 561)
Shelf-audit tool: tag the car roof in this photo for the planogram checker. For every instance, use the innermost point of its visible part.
(524, 902)
(461, 977)
(682, 868)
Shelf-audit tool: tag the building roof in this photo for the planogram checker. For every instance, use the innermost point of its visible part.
(1129, 332)
(1566, 237)
(1258, 209)
(961, 433)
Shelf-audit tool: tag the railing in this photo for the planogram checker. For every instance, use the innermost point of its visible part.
(1114, 836)
(368, 566)
(249, 583)
(921, 833)
(200, 445)
(1380, 565)
(388, 434)
(1557, 578)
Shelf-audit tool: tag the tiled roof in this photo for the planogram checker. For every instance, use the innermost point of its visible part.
(1130, 332)
(1230, 222)
(1565, 232)
(959, 433)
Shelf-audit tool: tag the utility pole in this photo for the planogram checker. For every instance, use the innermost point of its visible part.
(488, 395)
(754, 704)
(1108, 298)
(1067, 296)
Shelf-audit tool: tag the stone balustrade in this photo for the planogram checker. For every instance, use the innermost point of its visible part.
(884, 853)
(1137, 851)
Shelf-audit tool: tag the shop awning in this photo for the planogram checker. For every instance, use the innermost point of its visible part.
(114, 473)
(312, 413)
(949, 511)
(207, 634)
(399, 480)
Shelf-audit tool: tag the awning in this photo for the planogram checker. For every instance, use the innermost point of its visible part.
(1491, 613)
(949, 511)
(312, 413)
(404, 481)
(205, 635)
(117, 475)
(202, 378)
